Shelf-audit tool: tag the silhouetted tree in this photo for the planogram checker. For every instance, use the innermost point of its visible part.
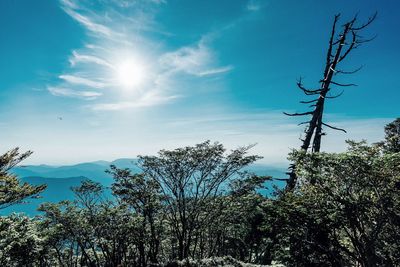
(392, 136)
(341, 44)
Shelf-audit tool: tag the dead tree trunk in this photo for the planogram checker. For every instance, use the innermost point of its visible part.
(340, 46)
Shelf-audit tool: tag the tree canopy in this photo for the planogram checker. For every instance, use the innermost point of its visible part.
(12, 191)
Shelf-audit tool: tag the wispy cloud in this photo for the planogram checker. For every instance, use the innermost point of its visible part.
(115, 32)
(97, 28)
(256, 5)
(147, 100)
(66, 92)
(130, 3)
(196, 60)
(69, 3)
(83, 58)
(215, 71)
(187, 59)
(82, 81)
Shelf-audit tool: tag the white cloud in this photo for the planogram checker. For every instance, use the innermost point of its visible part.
(82, 81)
(83, 58)
(69, 4)
(253, 7)
(256, 5)
(109, 32)
(215, 71)
(115, 30)
(66, 92)
(147, 100)
(130, 3)
(69, 7)
(188, 59)
(198, 60)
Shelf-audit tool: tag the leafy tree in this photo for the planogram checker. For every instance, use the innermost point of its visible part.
(235, 227)
(188, 177)
(20, 242)
(69, 233)
(91, 231)
(197, 202)
(11, 190)
(96, 231)
(392, 136)
(349, 215)
(142, 195)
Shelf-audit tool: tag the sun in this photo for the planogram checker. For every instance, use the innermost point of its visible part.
(129, 73)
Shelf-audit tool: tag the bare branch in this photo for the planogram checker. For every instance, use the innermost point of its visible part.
(335, 96)
(351, 47)
(329, 53)
(348, 72)
(281, 179)
(334, 128)
(308, 102)
(343, 84)
(304, 122)
(299, 114)
(351, 22)
(370, 20)
(362, 41)
(337, 41)
(307, 91)
(315, 92)
(340, 46)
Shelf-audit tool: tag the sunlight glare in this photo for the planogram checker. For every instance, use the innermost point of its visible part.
(129, 74)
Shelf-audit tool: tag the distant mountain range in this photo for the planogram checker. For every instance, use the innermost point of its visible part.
(95, 171)
(60, 179)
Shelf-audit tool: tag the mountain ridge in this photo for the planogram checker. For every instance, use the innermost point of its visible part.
(60, 179)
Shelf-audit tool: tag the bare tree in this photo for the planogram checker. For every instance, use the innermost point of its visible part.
(341, 44)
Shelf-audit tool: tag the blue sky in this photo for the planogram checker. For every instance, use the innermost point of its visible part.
(133, 77)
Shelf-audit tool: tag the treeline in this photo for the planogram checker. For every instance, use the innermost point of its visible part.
(198, 202)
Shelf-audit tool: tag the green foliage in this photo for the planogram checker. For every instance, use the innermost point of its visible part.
(212, 262)
(392, 136)
(346, 211)
(146, 224)
(197, 203)
(91, 231)
(142, 195)
(11, 190)
(189, 178)
(20, 243)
